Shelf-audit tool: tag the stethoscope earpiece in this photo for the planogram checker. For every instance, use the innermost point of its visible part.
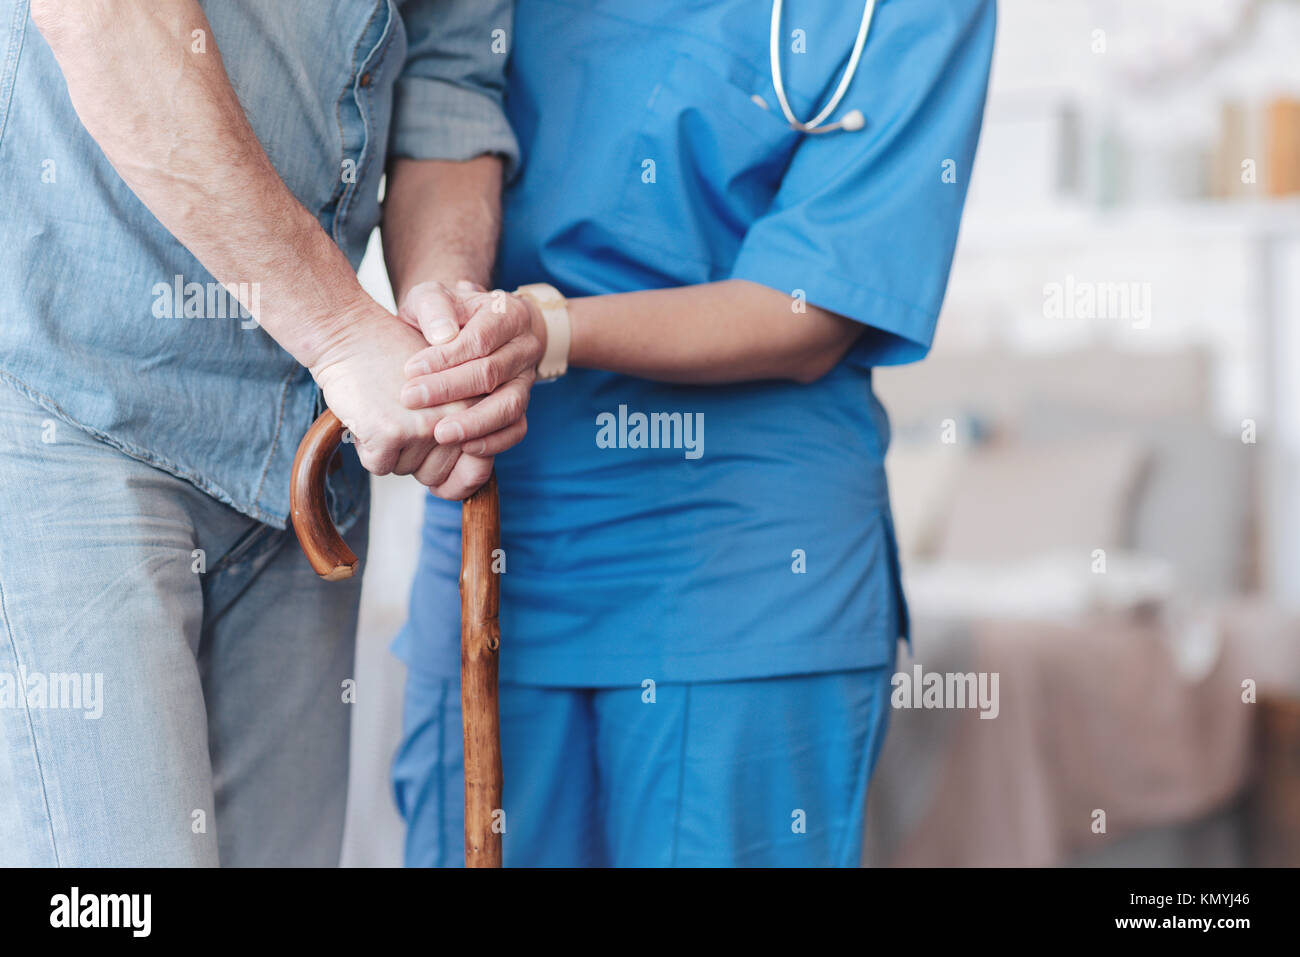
(853, 120)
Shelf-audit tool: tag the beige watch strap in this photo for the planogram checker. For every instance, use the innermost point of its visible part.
(555, 312)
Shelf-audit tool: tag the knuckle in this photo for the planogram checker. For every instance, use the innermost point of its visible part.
(435, 357)
(480, 377)
(476, 341)
(496, 372)
(376, 462)
(387, 435)
(519, 313)
(513, 405)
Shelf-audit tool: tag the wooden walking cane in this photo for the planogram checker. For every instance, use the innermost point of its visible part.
(480, 633)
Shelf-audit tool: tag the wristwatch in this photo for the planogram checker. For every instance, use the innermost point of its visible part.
(555, 313)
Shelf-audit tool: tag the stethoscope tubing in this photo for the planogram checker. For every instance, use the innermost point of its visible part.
(774, 50)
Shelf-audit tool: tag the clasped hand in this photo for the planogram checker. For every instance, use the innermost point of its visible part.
(440, 391)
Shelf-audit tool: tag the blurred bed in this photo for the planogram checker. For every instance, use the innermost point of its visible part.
(1074, 524)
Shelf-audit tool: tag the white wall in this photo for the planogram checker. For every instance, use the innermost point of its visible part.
(374, 833)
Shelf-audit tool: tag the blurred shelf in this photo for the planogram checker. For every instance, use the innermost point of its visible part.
(985, 229)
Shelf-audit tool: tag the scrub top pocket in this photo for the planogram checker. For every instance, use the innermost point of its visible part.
(708, 162)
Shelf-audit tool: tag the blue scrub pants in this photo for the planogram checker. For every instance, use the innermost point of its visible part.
(762, 773)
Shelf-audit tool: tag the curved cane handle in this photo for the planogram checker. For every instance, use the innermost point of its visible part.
(329, 555)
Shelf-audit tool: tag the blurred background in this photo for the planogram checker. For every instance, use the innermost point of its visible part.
(1095, 475)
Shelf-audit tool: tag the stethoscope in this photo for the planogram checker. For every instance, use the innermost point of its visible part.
(853, 119)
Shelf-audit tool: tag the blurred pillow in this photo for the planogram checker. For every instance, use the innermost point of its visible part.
(1193, 507)
(1055, 585)
(1017, 502)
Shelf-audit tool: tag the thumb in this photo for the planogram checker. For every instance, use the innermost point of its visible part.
(433, 309)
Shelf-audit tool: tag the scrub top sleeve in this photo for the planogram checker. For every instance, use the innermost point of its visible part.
(447, 103)
(865, 223)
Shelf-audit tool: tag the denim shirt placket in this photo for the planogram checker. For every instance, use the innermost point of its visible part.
(346, 487)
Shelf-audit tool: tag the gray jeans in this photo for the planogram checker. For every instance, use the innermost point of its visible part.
(174, 680)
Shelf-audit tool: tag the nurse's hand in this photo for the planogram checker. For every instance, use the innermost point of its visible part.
(493, 359)
(448, 471)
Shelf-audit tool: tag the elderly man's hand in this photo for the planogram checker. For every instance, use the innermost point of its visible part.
(361, 373)
(494, 357)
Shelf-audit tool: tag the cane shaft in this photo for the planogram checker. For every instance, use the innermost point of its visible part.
(480, 641)
(480, 634)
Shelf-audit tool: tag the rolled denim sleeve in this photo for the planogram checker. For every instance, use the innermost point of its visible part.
(448, 98)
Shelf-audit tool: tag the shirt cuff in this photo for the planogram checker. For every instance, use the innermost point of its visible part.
(434, 119)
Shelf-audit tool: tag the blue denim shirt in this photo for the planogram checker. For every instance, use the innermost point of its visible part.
(108, 322)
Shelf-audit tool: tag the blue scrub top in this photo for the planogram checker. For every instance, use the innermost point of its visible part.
(763, 545)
